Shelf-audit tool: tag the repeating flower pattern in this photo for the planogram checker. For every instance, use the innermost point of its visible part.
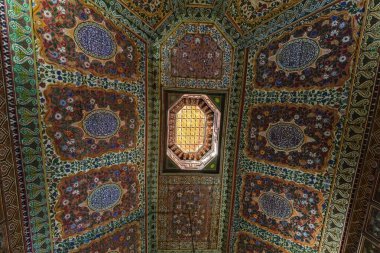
(317, 125)
(55, 26)
(72, 208)
(190, 200)
(69, 106)
(336, 44)
(187, 212)
(197, 56)
(305, 223)
(246, 242)
(152, 12)
(124, 240)
(246, 14)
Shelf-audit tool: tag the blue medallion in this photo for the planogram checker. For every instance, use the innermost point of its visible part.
(275, 205)
(104, 197)
(298, 54)
(101, 124)
(95, 40)
(285, 136)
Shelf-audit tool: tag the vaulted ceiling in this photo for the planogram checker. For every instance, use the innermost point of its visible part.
(90, 91)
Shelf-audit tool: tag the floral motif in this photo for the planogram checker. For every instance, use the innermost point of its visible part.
(20, 65)
(152, 12)
(247, 14)
(305, 221)
(197, 56)
(124, 240)
(202, 3)
(88, 122)
(90, 199)
(295, 136)
(246, 242)
(186, 212)
(73, 35)
(316, 55)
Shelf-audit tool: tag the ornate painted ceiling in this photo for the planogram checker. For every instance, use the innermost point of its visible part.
(98, 99)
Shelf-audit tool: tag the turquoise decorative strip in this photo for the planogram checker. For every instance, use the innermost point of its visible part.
(21, 40)
(358, 112)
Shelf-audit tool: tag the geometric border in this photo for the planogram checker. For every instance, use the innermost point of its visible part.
(365, 179)
(10, 202)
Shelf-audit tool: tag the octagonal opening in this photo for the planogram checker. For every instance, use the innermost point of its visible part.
(193, 132)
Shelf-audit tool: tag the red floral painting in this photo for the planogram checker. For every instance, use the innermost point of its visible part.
(290, 210)
(313, 56)
(188, 212)
(247, 243)
(89, 122)
(74, 36)
(293, 136)
(197, 56)
(124, 240)
(90, 199)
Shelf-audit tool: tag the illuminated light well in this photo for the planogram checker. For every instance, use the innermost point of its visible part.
(190, 128)
(193, 132)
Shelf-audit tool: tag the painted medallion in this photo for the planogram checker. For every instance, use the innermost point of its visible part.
(290, 210)
(74, 36)
(89, 122)
(104, 197)
(97, 197)
(95, 40)
(295, 136)
(316, 55)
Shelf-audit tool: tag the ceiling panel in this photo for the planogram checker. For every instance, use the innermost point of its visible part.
(84, 122)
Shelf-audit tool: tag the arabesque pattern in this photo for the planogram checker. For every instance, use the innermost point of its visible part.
(150, 12)
(249, 243)
(283, 137)
(75, 36)
(294, 136)
(88, 122)
(84, 202)
(302, 222)
(246, 14)
(315, 56)
(188, 212)
(196, 55)
(124, 240)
